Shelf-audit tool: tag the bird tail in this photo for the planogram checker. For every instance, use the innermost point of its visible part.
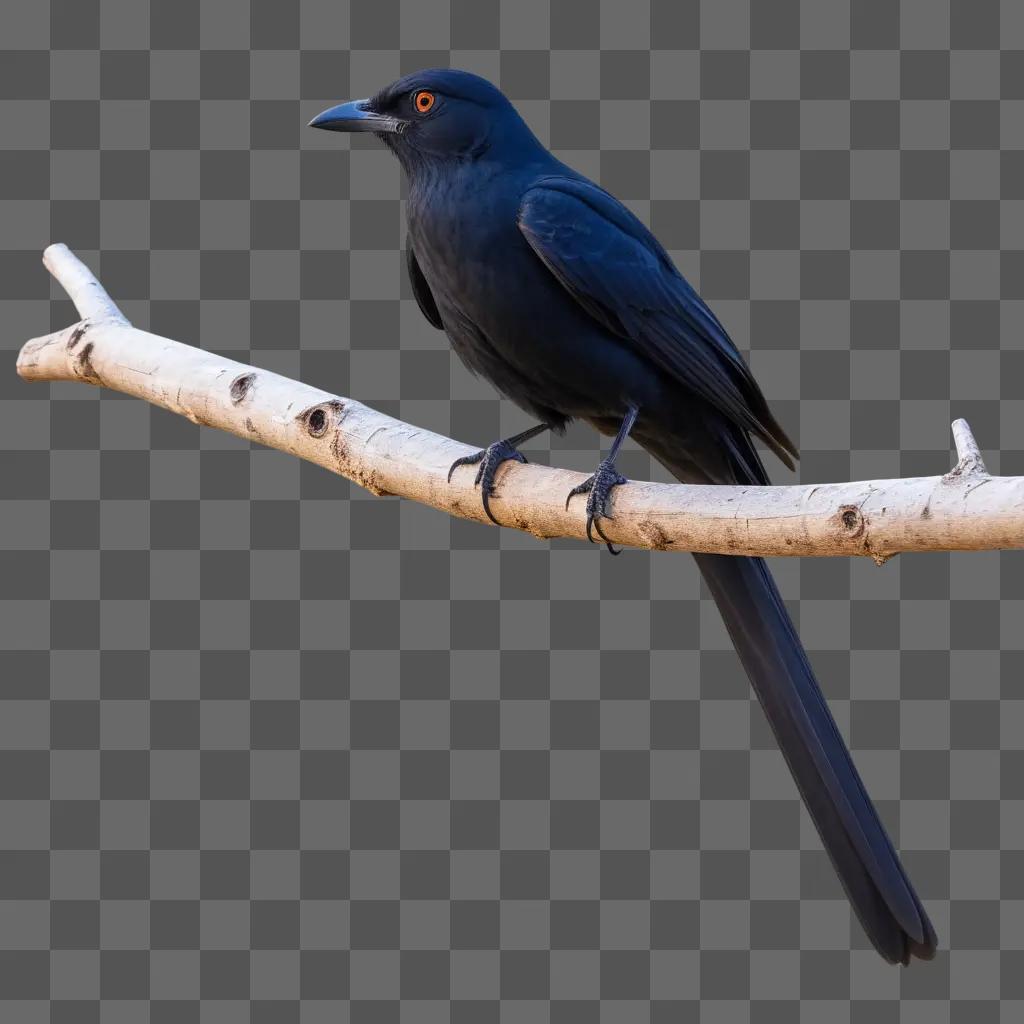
(849, 826)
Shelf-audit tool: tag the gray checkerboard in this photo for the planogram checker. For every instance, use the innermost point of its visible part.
(274, 750)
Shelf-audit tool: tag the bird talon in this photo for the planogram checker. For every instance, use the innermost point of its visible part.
(582, 488)
(489, 458)
(601, 534)
(465, 460)
(597, 487)
(485, 498)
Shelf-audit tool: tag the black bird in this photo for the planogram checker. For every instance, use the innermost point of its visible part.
(551, 289)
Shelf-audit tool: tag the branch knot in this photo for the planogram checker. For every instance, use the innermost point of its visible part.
(852, 520)
(241, 386)
(317, 419)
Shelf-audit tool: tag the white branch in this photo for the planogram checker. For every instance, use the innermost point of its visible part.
(967, 509)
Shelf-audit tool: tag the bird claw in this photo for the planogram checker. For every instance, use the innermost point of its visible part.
(598, 486)
(489, 459)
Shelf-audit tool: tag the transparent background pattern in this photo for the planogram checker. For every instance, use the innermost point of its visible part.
(274, 750)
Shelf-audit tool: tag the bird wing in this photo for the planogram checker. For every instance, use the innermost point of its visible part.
(420, 288)
(622, 276)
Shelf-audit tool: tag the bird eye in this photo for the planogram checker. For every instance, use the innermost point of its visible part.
(423, 101)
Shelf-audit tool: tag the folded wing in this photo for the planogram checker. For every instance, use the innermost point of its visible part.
(621, 275)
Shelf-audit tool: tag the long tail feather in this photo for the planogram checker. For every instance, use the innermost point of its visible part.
(852, 833)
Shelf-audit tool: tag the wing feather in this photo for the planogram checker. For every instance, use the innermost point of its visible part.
(621, 275)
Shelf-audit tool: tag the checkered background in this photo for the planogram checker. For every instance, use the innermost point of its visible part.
(272, 749)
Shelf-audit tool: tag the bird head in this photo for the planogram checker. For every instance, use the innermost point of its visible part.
(437, 114)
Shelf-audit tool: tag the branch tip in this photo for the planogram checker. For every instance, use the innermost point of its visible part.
(967, 450)
(89, 296)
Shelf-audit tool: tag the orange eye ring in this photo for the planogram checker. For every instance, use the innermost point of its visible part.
(423, 101)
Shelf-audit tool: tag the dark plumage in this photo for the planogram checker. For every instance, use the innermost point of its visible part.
(557, 294)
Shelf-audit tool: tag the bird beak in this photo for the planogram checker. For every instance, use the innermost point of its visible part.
(356, 116)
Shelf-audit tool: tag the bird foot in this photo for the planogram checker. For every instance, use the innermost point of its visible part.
(489, 459)
(598, 487)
